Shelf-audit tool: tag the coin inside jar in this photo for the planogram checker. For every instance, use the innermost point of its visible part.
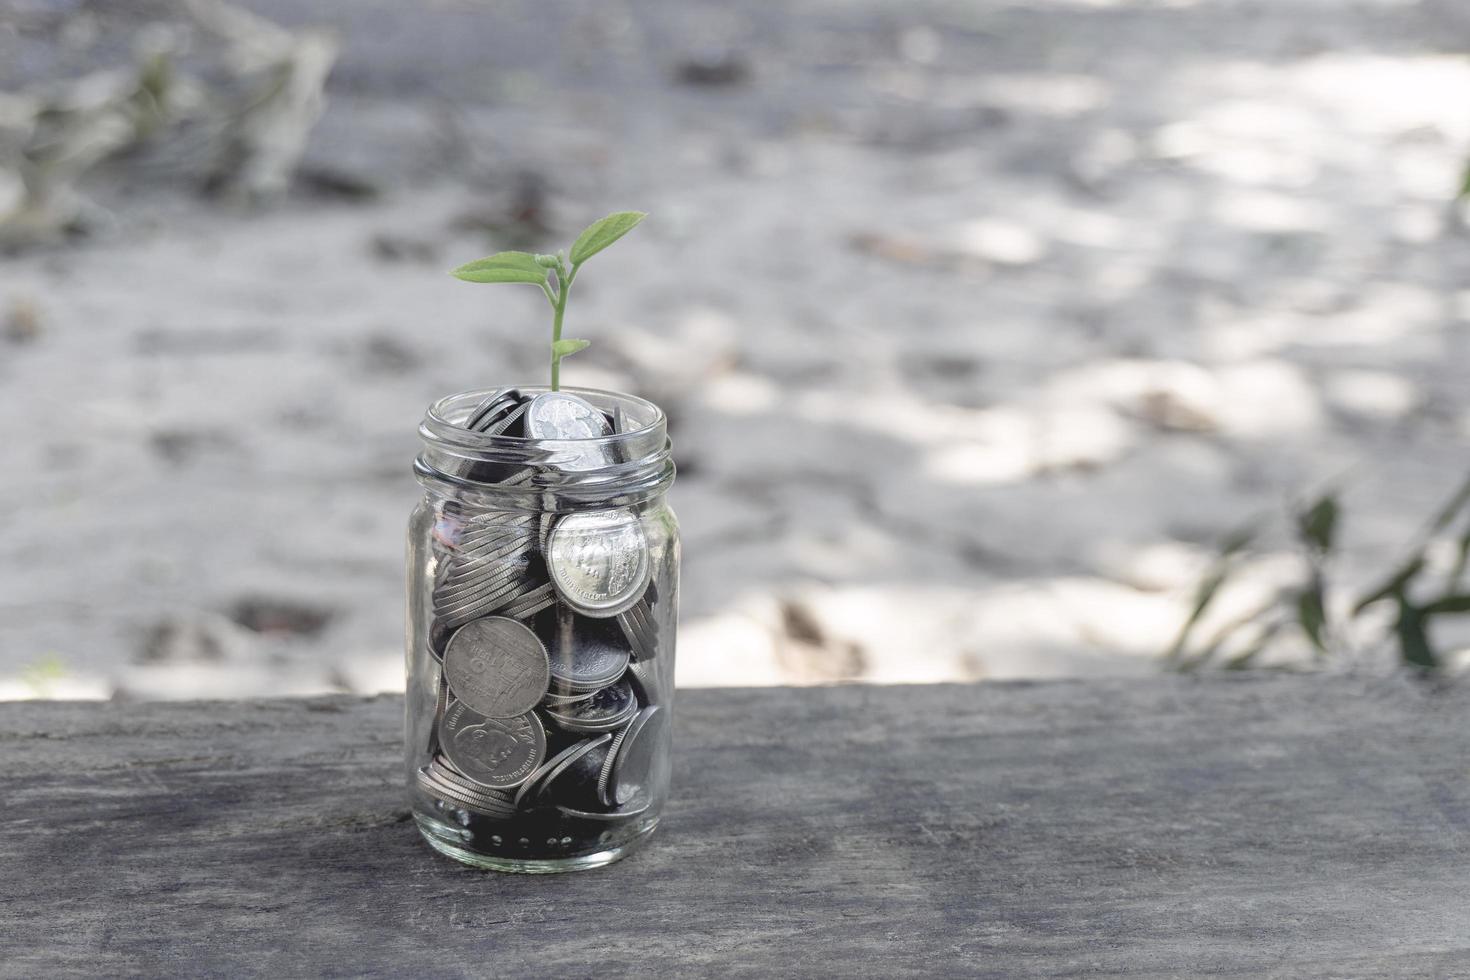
(585, 654)
(558, 415)
(497, 667)
(632, 770)
(599, 560)
(530, 789)
(574, 781)
(498, 753)
(606, 710)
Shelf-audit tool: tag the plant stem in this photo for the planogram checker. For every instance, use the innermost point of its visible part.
(563, 289)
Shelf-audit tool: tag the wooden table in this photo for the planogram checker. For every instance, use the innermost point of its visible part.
(1287, 826)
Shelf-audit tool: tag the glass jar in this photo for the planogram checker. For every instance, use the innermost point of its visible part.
(543, 592)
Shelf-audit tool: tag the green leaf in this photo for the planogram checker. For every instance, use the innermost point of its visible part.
(503, 267)
(1448, 604)
(1317, 524)
(1465, 185)
(1213, 580)
(1395, 585)
(1413, 641)
(562, 348)
(1453, 507)
(1311, 615)
(600, 234)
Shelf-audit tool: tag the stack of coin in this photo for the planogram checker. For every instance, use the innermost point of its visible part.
(544, 624)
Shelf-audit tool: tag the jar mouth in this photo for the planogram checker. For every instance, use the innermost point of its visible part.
(452, 411)
(541, 474)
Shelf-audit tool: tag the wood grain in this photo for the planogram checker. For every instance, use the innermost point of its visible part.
(1287, 826)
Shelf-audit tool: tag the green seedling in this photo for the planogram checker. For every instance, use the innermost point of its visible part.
(554, 274)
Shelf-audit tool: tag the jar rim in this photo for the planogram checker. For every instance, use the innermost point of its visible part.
(439, 415)
(532, 473)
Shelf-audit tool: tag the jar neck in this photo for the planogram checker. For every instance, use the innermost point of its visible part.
(502, 472)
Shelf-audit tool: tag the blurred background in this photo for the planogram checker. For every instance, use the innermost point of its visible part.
(999, 339)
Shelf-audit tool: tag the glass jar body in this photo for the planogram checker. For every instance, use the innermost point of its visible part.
(542, 607)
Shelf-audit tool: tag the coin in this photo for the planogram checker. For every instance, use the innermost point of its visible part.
(557, 415)
(604, 776)
(495, 752)
(555, 699)
(506, 421)
(640, 628)
(452, 790)
(528, 791)
(574, 780)
(642, 749)
(458, 612)
(512, 597)
(646, 686)
(585, 654)
(497, 401)
(599, 560)
(497, 667)
(606, 710)
(443, 773)
(530, 603)
(622, 813)
(561, 415)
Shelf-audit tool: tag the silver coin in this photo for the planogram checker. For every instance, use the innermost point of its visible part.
(451, 791)
(498, 599)
(641, 629)
(530, 603)
(639, 757)
(604, 776)
(498, 753)
(632, 809)
(480, 572)
(557, 415)
(605, 711)
(620, 420)
(585, 654)
(480, 605)
(441, 704)
(481, 577)
(492, 403)
(444, 772)
(451, 794)
(574, 780)
(505, 420)
(556, 699)
(646, 686)
(530, 789)
(497, 667)
(599, 560)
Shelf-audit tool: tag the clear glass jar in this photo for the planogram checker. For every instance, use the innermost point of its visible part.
(543, 592)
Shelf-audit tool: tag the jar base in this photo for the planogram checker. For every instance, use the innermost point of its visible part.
(439, 841)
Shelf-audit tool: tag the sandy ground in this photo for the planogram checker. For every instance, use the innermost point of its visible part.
(977, 325)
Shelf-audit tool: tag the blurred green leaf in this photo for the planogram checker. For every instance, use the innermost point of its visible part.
(1311, 615)
(1414, 645)
(1318, 524)
(1246, 658)
(602, 233)
(1452, 509)
(1464, 185)
(1210, 585)
(42, 673)
(503, 267)
(1394, 586)
(1448, 604)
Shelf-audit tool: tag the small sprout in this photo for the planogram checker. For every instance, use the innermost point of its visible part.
(553, 275)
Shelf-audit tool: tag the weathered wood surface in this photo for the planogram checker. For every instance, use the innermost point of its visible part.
(1263, 826)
